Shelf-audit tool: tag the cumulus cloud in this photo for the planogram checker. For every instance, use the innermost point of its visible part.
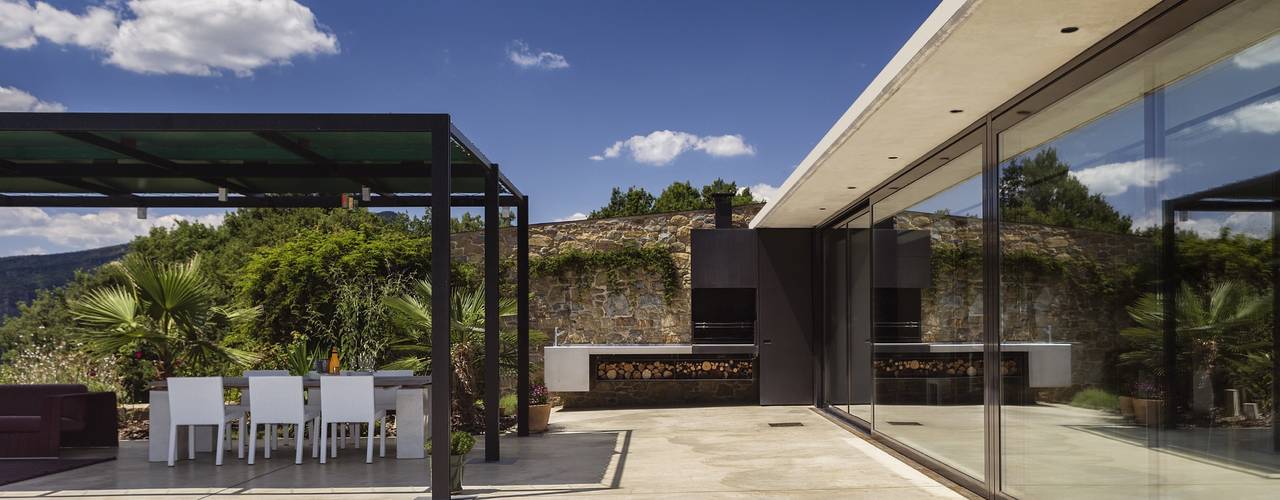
(661, 147)
(187, 37)
(12, 99)
(79, 231)
(1115, 178)
(1254, 224)
(765, 192)
(1262, 118)
(520, 54)
(1257, 56)
(575, 216)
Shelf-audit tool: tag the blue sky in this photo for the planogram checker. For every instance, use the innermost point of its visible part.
(746, 88)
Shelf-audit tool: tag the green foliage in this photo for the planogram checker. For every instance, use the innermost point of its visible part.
(166, 312)
(59, 363)
(412, 312)
(1228, 324)
(1229, 257)
(460, 443)
(301, 358)
(1040, 190)
(635, 201)
(677, 197)
(1096, 399)
(297, 282)
(507, 404)
(1110, 280)
(653, 259)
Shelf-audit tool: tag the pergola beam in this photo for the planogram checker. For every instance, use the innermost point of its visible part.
(148, 158)
(300, 149)
(263, 170)
(304, 201)
(78, 182)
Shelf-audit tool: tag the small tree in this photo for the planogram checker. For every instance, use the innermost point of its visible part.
(163, 311)
(635, 201)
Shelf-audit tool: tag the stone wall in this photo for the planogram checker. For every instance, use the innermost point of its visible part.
(1036, 307)
(591, 308)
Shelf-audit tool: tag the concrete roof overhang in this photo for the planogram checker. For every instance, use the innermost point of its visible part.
(968, 55)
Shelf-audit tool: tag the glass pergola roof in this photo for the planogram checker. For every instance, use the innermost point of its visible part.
(147, 157)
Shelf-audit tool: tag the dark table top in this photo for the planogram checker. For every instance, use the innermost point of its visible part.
(378, 381)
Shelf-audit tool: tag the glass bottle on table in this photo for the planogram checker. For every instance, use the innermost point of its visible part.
(335, 365)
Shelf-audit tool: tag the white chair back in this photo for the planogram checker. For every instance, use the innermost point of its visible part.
(266, 373)
(346, 399)
(275, 399)
(196, 400)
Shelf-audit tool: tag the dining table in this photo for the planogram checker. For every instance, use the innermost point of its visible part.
(412, 407)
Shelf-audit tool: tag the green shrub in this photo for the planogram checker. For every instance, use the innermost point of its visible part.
(1096, 399)
(460, 443)
(507, 404)
(59, 363)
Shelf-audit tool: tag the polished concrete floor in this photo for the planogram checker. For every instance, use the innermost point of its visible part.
(719, 452)
(1062, 452)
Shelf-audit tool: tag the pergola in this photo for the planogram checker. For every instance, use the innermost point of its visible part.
(288, 161)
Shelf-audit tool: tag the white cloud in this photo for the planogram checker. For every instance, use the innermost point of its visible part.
(765, 192)
(88, 230)
(661, 147)
(187, 37)
(522, 56)
(12, 99)
(1263, 118)
(1257, 56)
(1115, 178)
(575, 216)
(33, 250)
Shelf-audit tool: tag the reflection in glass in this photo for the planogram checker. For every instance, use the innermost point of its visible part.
(859, 304)
(927, 314)
(1138, 274)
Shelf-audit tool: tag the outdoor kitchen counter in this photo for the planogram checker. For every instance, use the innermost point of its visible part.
(568, 367)
(412, 402)
(1049, 363)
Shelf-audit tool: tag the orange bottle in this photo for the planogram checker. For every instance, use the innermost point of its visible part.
(334, 364)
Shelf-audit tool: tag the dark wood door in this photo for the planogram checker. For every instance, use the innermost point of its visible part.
(784, 324)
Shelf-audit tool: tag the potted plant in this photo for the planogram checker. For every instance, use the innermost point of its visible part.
(460, 444)
(1126, 406)
(539, 408)
(1148, 403)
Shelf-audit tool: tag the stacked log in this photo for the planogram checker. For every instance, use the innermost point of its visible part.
(674, 369)
(954, 367)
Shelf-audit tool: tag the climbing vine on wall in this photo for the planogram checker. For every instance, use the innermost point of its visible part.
(616, 263)
(1113, 281)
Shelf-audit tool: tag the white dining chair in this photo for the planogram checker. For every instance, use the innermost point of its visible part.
(348, 400)
(244, 400)
(278, 401)
(197, 401)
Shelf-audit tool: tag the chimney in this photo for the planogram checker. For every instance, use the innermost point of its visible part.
(724, 209)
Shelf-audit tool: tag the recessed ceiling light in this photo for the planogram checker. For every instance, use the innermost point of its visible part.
(1023, 112)
(957, 111)
(851, 187)
(822, 208)
(944, 158)
(893, 157)
(1070, 29)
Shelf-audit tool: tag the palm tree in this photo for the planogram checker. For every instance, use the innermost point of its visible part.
(166, 311)
(1204, 328)
(466, 333)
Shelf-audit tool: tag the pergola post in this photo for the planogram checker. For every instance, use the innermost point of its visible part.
(492, 385)
(440, 320)
(522, 319)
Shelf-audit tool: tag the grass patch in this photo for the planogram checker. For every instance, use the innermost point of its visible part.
(507, 404)
(1096, 399)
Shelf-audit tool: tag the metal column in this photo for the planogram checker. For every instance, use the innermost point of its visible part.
(492, 385)
(440, 345)
(522, 319)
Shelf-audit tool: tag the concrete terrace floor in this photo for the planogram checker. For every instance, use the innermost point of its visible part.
(718, 452)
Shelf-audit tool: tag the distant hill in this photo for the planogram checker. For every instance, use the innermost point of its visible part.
(21, 276)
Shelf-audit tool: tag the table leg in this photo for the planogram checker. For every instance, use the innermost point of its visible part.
(411, 422)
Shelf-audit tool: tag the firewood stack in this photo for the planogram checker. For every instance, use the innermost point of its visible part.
(674, 369)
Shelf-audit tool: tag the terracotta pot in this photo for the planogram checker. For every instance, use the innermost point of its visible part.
(539, 416)
(1148, 411)
(1126, 406)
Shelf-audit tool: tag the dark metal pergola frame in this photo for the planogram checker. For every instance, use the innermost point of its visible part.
(98, 183)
